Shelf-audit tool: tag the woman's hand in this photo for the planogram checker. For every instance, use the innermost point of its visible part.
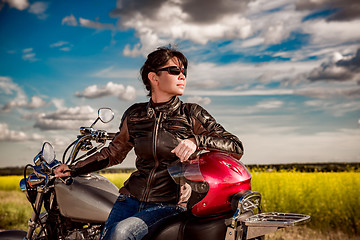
(185, 148)
(62, 171)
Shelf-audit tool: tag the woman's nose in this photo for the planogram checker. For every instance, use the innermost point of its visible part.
(182, 76)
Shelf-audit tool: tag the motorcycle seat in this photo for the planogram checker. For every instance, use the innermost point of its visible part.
(186, 226)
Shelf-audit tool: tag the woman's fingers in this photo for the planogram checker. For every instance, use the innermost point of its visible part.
(185, 148)
(62, 171)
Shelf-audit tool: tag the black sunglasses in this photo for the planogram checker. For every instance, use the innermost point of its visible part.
(174, 70)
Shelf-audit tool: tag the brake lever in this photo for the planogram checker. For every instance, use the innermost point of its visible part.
(67, 180)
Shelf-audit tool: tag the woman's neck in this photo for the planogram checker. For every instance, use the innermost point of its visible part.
(158, 103)
(160, 100)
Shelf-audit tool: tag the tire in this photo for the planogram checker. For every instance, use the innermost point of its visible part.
(12, 235)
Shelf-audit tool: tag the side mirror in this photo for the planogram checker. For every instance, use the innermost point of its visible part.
(46, 154)
(105, 115)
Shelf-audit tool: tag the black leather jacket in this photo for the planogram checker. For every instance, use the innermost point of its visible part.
(154, 132)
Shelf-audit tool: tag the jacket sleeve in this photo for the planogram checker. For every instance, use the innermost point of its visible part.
(115, 153)
(211, 136)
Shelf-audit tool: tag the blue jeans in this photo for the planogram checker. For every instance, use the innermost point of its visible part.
(132, 219)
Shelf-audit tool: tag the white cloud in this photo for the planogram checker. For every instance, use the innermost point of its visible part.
(92, 24)
(319, 78)
(69, 20)
(207, 75)
(39, 9)
(8, 86)
(251, 42)
(170, 22)
(29, 55)
(36, 102)
(62, 46)
(265, 107)
(20, 99)
(326, 92)
(274, 21)
(18, 4)
(58, 103)
(65, 49)
(248, 23)
(199, 100)
(335, 108)
(272, 104)
(10, 135)
(327, 34)
(127, 93)
(268, 22)
(66, 118)
(275, 33)
(27, 50)
(345, 10)
(59, 44)
(338, 68)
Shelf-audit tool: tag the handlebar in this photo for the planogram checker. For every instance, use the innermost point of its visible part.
(84, 143)
(111, 136)
(67, 180)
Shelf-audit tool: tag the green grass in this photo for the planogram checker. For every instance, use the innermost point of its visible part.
(331, 199)
(15, 210)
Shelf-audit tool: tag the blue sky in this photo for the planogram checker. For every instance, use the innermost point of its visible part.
(284, 76)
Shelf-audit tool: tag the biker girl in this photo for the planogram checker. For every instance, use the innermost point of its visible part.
(161, 131)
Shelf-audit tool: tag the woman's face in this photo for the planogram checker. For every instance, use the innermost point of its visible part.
(169, 85)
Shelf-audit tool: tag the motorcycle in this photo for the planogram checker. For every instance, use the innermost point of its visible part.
(221, 206)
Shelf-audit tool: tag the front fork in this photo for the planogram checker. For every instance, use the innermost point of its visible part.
(33, 221)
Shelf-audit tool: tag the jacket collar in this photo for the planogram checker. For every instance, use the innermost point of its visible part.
(166, 108)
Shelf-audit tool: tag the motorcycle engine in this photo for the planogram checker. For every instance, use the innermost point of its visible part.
(91, 233)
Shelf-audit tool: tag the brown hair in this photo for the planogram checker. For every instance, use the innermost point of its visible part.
(156, 60)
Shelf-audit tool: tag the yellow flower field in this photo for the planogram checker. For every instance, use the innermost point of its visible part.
(332, 199)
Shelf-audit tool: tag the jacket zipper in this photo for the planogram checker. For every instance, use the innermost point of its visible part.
(152, 172)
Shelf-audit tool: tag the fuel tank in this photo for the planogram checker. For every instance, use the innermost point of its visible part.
(89, 198)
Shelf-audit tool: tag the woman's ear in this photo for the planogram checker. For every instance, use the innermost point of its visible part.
(153, 77)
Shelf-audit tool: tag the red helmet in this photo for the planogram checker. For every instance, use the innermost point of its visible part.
(214, 178)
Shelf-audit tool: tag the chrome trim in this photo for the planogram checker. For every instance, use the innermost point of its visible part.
(250, 201)
(264, 223)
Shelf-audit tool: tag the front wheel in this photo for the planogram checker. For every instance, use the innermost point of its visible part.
(12, 235)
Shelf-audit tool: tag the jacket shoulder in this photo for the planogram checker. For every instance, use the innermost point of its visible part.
(136, 108)
(195, 109)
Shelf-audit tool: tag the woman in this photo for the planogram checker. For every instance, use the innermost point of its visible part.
(161, 131)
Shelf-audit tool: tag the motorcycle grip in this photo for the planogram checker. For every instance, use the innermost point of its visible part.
(110, 136)
(67, 180)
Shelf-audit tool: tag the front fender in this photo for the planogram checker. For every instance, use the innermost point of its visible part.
(12, 235)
